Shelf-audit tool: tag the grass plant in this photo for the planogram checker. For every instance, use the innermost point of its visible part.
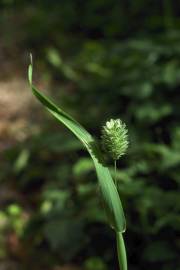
(114, 142)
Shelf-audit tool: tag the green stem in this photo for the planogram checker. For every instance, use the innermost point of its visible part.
(121, 250)
(115, 173)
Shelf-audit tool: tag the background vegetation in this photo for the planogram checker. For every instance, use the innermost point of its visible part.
(99, 60)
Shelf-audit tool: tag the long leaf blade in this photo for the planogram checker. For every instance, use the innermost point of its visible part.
(109, 192)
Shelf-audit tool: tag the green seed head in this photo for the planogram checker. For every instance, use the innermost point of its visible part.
(114, 138)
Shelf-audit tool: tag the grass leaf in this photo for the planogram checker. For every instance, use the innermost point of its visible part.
(109, 192)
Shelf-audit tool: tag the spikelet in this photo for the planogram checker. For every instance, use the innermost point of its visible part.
(114, 138)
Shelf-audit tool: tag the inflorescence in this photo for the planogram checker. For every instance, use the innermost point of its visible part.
(114, 138)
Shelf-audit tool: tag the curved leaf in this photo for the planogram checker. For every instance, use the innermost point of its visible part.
(110, 195)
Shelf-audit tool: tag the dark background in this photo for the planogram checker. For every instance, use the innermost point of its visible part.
(98, 59)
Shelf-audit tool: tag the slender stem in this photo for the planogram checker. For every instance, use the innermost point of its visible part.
(115, 173)
(121, 250)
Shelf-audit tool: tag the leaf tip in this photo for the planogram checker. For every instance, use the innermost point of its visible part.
(31, 58)
(30, 69)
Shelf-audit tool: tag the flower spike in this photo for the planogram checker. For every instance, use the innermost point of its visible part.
(115, 138)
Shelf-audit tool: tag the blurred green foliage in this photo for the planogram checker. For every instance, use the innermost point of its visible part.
(107, 59)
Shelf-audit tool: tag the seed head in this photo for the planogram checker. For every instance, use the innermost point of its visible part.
(114, 138)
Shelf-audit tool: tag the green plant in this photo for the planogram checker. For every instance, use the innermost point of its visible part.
(114, 139)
